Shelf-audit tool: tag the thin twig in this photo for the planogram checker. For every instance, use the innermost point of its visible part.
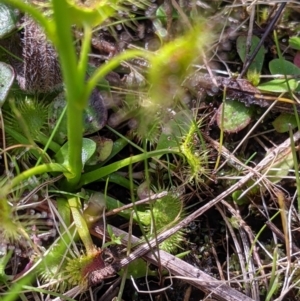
(143, 201)
(262, 40)
(218, 289)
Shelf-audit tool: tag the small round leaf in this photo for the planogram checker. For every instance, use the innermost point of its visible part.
(284, 122)
(236, 116)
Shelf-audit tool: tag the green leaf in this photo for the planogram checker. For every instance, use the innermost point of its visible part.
(278, 66)
(103, 84)
(104, 148)
(294, 43)
(278, 85)
(235, 197)
(236, 116)
(138, 269)
(284, 122)
(7, 76)
(94, 116)
(4, 260)
(115, 240)
(174, 130)
(280, 167)
(88, 149)
(258, 61)
(8, 20)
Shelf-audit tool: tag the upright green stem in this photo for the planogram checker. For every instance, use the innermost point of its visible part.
(84, 54)
(74, 84)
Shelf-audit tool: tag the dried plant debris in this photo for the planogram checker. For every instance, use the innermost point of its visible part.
(40, 71)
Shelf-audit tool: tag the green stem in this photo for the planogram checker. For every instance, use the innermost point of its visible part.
(84, 53)
(81, 225)
(118, 179)
(296, 167)
(41, 169)
(66, 49)
(43, 139)
(106, 170)
(48, 142)
(74, 88)
(110, 65)
(17, 286)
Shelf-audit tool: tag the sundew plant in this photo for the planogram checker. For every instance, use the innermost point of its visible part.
(66, 161)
